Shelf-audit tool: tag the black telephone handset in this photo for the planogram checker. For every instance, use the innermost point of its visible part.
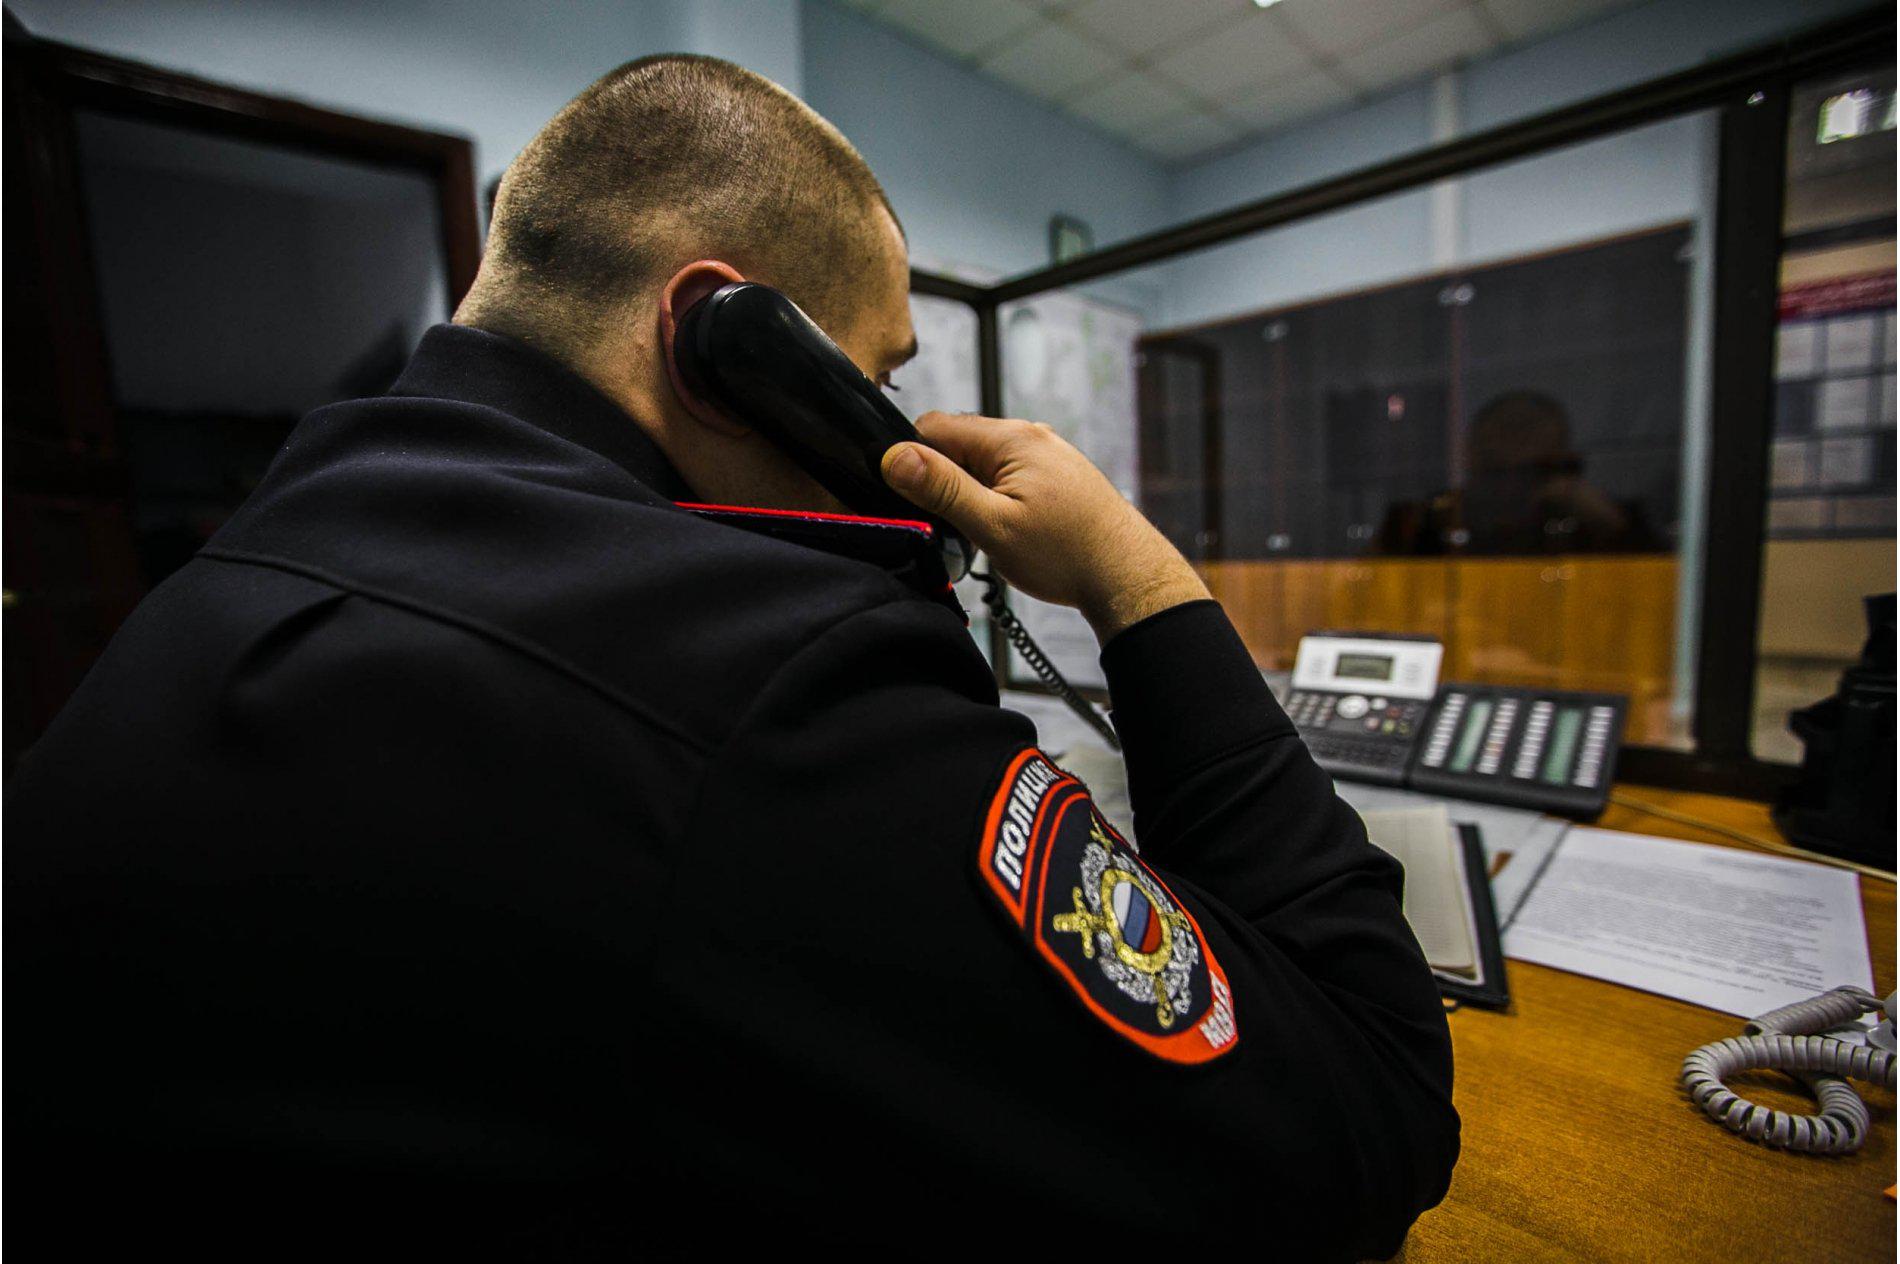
(750, 351)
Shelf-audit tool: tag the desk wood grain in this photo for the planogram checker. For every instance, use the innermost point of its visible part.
(1578, 1144)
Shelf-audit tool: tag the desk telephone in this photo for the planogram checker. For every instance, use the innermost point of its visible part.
(750, 351)
(1371, 709)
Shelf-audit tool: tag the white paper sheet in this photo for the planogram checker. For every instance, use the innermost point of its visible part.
(1733, 930)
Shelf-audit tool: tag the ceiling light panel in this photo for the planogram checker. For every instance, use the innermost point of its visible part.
(1051, 62)
(1236, 61)
(1187, 137)
(1528, 19)
(1287, 102)
(1341, 27)
(1142, 29)
(964, 28)
(1130, 102)
(1436, 46)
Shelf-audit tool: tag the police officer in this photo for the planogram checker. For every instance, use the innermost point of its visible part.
(473, 846)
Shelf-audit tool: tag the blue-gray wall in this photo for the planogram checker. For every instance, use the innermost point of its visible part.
(974, 167)
(494, 70)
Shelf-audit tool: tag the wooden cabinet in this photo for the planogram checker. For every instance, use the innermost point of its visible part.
(1619, 636)
(1604, 623)
(1620, 623)
(1507, 622)
(1315, 596)
(1274, 604)
(1394, 595)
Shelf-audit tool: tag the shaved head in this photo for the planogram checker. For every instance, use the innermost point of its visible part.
(666, 179)
(665, 160)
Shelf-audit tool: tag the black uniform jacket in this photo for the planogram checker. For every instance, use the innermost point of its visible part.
(470, 834)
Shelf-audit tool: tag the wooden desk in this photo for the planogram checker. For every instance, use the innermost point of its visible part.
(1578, 1144)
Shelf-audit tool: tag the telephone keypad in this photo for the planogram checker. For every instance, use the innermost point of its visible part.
(1354, 735)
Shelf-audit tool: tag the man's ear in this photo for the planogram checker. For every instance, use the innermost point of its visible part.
(686, 287)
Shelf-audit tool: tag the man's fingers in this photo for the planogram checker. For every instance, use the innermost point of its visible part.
(976, 443)
(933, 482)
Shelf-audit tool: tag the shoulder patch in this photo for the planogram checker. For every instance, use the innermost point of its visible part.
(1102, 920)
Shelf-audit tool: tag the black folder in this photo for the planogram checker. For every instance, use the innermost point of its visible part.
(1488, 987)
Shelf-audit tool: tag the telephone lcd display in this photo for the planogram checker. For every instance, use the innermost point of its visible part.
(1473, 733)
(1563, 745)
(1363, 667)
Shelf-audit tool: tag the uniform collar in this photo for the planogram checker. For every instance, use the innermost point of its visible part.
(499, 372)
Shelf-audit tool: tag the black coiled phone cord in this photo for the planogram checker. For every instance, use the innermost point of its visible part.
(1032, 654)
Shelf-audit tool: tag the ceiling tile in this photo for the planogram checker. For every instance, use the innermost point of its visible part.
(1181, 138)
(1527, 19)
(1236, 60)
(964, 28)
(1051, 62)
(1143, 29)
(1435, 46)
(1287, 102)
(1337, 27)
(1129, 103)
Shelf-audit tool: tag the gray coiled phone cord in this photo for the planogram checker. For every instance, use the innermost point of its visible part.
(1781, 1040)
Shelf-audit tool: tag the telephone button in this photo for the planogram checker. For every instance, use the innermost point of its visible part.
(1352, 706)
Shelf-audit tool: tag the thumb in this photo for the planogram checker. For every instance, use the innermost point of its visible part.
(933, 482)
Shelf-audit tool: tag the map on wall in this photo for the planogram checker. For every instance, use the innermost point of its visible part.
(942, 377)
(1069, 362)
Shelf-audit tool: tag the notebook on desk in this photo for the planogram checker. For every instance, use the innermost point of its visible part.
(1447, 899)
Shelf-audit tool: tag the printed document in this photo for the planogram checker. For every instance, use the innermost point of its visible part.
(1733, 930)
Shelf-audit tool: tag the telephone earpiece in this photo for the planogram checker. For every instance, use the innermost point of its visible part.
(749, 351)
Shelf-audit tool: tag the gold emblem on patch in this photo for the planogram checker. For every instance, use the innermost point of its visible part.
(1138, 921)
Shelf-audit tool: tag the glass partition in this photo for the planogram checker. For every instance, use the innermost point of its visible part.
(943, 377)
(1069, 361)
(1830, 512)
(1345, 429)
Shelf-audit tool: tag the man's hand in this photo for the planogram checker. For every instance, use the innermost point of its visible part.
(1052, 524)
